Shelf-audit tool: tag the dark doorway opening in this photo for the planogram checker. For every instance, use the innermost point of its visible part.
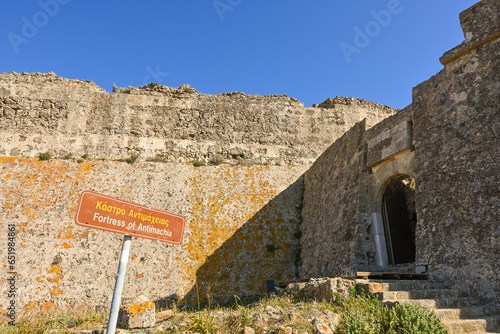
(398, 210)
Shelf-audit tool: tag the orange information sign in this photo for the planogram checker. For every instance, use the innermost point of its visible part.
(118, 216)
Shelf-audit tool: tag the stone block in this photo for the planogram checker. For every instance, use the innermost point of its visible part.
(235, 152)
(322, 288)
(480, 18)
(325, 323)
(8, 112)
(381, 257)
(248, 330)
(44, 114)
(139, 314)
(377, 226)
(164, 315)
(374, 287)
(420, 269)
(397, 138)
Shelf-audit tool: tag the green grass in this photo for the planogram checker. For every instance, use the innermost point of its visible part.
(244, 162)
(359, 313)
(44, 156)
(217, 159)
(158, 158)
(363, 313)
(198, 163)
(61, 320)
(132, 159)
(413, 319)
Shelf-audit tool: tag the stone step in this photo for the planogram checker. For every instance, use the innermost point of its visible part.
(460, 314)
(392, 281)
(468, 312)
(373, 286)
(397, 274)
(439, 303)
(487, 324)
(419, 294)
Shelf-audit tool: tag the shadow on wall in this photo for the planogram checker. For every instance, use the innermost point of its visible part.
(266, 247)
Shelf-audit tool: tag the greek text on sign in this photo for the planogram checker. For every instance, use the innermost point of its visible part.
(118, 216)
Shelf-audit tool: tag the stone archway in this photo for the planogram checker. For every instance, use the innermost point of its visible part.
(399, 217)
(380, 177)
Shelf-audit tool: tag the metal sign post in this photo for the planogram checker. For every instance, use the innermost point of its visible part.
(120, 279)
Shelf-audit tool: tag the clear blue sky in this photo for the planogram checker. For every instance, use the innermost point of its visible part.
(310, 50)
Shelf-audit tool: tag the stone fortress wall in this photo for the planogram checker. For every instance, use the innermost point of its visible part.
(447, 142)
(243, 213)
(46, 113)
(266, 208)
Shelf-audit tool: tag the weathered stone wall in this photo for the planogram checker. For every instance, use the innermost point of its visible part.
(342, 190)
(45, 113)
(233, 216)
(242, 216)
(457, 126)
(242, 219)
(330, 207)
(446, 140)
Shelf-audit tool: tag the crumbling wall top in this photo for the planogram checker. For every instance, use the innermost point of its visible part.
(480, 24)
(481, 18)
(47, 79)
(353, 101)
(186, 90)
(175, 124)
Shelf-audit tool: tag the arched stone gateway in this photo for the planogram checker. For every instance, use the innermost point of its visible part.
(400, 219)
(391, 204)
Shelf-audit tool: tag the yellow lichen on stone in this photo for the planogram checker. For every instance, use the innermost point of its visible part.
(139, 308)
(46, 306)
(233, 218)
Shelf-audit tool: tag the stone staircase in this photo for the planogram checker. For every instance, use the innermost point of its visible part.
(460, 314)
